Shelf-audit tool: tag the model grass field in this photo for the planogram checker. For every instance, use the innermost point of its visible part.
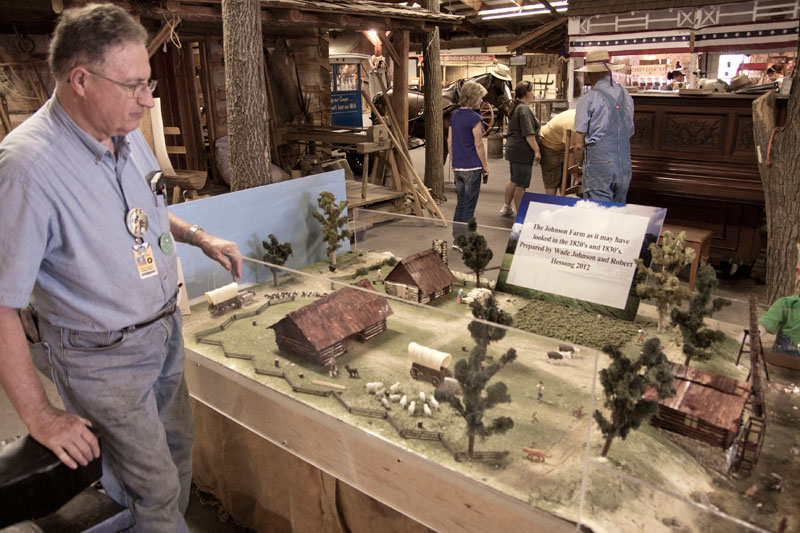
(664, 462)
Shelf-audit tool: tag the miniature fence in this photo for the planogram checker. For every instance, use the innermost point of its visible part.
(405, 433)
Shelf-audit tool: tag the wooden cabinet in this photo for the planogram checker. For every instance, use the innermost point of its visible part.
(695, 155)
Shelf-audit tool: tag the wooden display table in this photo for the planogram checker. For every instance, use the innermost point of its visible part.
(433, 496)
(698, 240)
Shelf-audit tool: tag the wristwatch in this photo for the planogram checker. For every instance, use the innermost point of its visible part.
(189, 238)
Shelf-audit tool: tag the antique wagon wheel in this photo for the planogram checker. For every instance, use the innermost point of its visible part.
(487, 117)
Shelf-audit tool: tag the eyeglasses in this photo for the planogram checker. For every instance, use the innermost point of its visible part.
(136, 89)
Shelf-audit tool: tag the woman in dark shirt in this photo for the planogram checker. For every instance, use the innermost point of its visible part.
(467, 154)
(522, 150)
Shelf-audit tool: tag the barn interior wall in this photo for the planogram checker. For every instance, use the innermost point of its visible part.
(25, 80)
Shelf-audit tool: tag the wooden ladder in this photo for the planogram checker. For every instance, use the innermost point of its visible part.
(748, 445)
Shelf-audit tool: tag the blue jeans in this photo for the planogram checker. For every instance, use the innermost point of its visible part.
(468, 187)
(130, 384)
(784, 345)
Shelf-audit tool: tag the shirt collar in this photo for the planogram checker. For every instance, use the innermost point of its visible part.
(97, 148)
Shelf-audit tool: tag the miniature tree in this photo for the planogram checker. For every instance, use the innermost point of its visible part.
(475, 251)
(473, 375)
(276, 253)
(624, 382)
(332, 223)
(697, 338)
(667, 291)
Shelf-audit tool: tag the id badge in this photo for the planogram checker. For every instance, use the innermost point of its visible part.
(145, 262)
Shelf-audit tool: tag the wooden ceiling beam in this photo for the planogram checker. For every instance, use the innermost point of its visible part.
(473, 28)
(475, 5)
(555, 13)
(389, 47)
(542, 30)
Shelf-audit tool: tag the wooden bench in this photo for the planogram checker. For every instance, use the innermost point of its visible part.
(698, 240)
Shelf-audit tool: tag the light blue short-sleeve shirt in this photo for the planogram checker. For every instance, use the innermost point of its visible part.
(65, 244)
(592, 114)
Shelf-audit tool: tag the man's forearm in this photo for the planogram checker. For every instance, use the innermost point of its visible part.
(17, 373)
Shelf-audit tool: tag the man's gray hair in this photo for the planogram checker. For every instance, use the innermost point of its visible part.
(84, 35)
(471, 94)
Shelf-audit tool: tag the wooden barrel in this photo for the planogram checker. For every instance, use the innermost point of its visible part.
(494, 146)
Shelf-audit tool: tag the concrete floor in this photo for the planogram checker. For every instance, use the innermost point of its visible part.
(204, 517)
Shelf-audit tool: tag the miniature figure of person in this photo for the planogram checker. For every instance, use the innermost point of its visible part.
(460, 297)
(540, 391)
(73, 182)
(640, 337)
(378, 276)
(783, 319)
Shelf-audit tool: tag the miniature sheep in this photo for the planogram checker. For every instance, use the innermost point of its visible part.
(434, 403)
(394, 398)
(381, 392)
(373, 386)
(422, 397)
(394, 389)
(403, 401)
(412, 407)
(427, 410)
(385, 404)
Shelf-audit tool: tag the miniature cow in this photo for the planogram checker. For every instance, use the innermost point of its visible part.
(537, 456)
(352, 372)
(578, 412)
(554, 356)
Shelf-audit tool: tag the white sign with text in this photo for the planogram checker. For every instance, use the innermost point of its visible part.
(585, 251)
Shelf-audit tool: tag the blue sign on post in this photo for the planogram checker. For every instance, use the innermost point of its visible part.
(346, 95)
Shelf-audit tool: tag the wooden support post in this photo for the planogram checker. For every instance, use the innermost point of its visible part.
(430, 203)
(364, 176)
(396, 172)
(400, 85)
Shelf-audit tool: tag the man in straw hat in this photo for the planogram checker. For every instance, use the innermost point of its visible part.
(604, 127)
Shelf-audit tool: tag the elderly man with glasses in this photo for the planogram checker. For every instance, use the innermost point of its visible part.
(88, 243)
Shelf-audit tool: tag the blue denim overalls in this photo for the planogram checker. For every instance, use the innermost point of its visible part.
(607, 169)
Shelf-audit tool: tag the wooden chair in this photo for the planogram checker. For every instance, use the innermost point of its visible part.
(568, 171)
(184, 183)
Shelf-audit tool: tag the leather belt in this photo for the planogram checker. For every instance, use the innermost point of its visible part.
(164, 314)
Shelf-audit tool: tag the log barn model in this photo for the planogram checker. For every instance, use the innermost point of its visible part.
(319, 331)
(421, 277)
(706, 407)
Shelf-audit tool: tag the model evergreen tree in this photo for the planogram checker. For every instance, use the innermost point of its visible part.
(473, 375)
(697, 338)
(332, 223)
(624, 382)
(671, 256)
(276, 253)
(475, 251)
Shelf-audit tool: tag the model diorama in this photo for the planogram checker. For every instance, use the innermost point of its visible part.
(474, 250)
(640, 384)
(276, 253)
(227, 297)
(319, 331)
(666, 290)
(422, 277)
(332, 223)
